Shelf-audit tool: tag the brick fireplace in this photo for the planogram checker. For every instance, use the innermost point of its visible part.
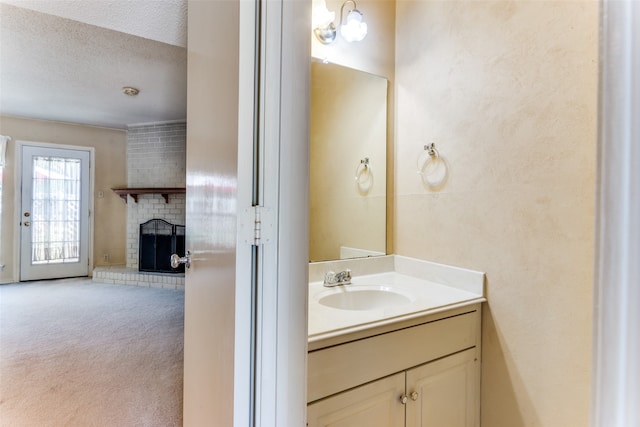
(156, 158)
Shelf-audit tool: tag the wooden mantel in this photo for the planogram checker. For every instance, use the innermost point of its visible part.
(135, 192)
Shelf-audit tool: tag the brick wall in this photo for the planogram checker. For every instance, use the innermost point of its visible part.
(156, 157)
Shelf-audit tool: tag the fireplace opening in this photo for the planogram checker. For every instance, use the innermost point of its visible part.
(160, 239)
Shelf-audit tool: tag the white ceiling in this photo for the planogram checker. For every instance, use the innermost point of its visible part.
(67, 60)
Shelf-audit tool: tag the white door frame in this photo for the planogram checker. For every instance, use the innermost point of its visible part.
(18, 196)
(283, 134)
(615, 390)
(268, 335)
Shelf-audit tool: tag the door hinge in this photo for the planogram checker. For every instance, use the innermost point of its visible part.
(257, 225)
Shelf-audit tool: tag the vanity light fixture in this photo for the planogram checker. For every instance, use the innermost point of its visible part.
(353, 30)
(323, 26)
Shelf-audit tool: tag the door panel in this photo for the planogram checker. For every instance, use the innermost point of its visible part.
(446, 392)
(54, 239)
(211, 209)
(245, 311)
(376, 404)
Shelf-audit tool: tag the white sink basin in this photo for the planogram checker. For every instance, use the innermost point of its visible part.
(363, 298)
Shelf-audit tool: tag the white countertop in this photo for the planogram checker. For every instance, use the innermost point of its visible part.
(424, 296)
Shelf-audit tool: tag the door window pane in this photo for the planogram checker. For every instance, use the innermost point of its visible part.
(55, 213)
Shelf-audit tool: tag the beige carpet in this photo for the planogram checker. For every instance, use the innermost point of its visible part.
(76, 353)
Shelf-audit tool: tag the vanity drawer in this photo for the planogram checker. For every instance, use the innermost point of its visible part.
(341, 367)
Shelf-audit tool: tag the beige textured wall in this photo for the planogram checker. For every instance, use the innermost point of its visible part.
(348, 123)
(110, 171)
(376, 55)
(507, 90)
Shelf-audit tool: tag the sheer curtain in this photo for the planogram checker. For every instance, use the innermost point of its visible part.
(3, 149)
(3, 152)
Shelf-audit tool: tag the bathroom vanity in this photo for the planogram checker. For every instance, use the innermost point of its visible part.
(400, 346)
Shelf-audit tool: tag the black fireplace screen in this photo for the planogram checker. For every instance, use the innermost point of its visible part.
(158, 240)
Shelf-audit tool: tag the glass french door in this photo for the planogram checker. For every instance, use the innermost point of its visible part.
(54, 223)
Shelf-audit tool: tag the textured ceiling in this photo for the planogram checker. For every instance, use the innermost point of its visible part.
(160, 20)
(61, 69)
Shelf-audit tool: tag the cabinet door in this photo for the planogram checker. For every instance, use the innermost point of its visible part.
(376, 404)
(445, 392)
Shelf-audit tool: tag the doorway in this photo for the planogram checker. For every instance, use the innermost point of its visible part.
(54, 212)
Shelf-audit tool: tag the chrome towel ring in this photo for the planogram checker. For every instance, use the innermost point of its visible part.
(364, 175)
(432, 168)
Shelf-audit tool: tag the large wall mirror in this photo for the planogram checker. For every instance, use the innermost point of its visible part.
(348, 160)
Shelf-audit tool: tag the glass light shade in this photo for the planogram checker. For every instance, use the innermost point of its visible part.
(321, 16)
(354, 29)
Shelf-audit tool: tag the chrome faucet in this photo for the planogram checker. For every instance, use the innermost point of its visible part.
(337, 279)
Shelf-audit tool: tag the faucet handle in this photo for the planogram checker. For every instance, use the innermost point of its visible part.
(344, 277)
(329, 277)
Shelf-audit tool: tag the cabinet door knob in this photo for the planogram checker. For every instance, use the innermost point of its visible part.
(403, 399)
(414, 396)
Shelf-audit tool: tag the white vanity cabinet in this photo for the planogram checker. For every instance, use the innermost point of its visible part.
(376, 404)
(424, 372)
(446, 392)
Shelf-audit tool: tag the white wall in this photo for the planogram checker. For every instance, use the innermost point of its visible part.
(508, 92)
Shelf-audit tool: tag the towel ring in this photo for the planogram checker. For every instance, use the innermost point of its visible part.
(429, 154)
(364, 175)
(431, 166)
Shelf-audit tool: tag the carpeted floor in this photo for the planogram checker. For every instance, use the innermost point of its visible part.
(77, 353)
